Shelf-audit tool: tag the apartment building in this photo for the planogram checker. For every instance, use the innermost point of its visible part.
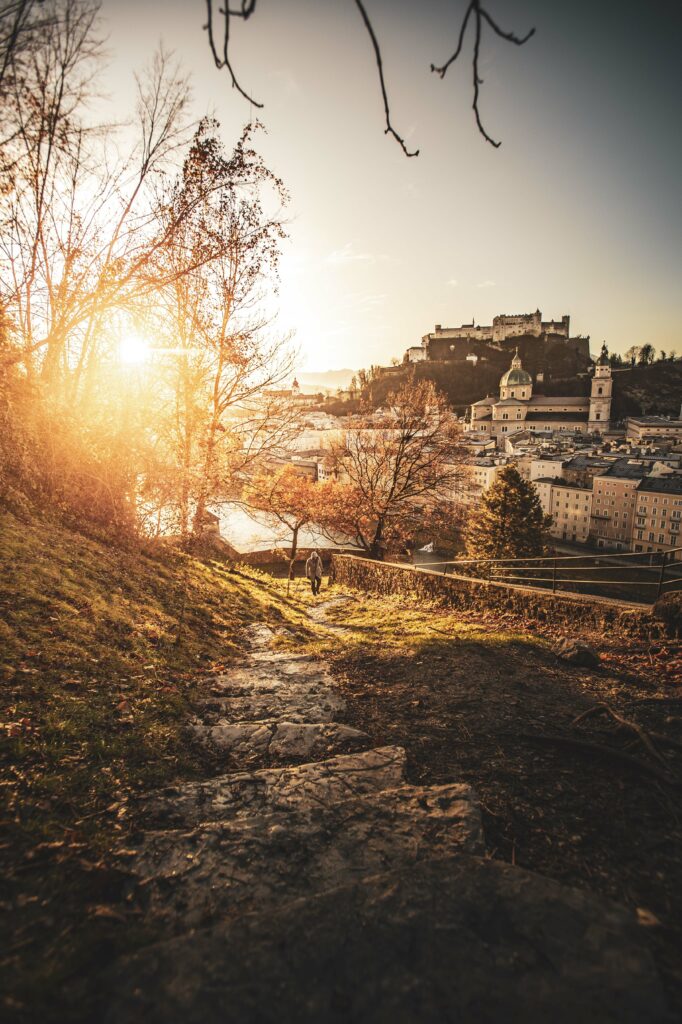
(643, 428)
(477, 476)
(658, 514)
(614, 495)
(570, 507)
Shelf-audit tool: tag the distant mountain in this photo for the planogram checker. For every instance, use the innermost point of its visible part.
(328, 379)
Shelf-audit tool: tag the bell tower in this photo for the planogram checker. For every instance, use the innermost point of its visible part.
(600, 396)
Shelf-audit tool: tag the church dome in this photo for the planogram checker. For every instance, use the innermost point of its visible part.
(516, 375)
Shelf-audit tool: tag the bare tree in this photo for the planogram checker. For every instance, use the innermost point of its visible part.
(399, 476)
(475, 12)
(220, 367)
(77, 231)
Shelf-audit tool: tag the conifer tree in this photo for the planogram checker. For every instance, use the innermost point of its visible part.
(509, 522)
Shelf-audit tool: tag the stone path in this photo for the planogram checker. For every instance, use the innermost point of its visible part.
(318, 885)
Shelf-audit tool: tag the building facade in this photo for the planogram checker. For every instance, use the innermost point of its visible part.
(518, 408)
(614, 496)
(649, 428)
(658, 514)
(570, 507)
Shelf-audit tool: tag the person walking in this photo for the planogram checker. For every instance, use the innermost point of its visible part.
(313, 570)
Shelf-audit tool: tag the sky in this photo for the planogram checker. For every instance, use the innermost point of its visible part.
(578, 212)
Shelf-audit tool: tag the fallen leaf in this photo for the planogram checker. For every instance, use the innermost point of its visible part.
(101, 910)
(647, 919)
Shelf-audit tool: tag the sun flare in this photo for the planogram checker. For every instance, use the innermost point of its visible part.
(133, 349)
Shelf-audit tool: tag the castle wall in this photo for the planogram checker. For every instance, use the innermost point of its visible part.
(519, 323)
(438, 342)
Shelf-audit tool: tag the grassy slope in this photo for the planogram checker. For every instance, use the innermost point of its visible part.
(98, 668)
(96, 687)
(465, 692)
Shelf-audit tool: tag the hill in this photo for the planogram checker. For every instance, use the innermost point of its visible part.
(106, 652)
(649, 390)
(101, 653)
(326, 379)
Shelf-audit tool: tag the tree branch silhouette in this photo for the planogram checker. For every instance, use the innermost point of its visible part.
(389, 130)
(223, 60)
(480, 14)
(246, 8)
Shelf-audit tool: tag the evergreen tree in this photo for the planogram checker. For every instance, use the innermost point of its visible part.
(510, 522)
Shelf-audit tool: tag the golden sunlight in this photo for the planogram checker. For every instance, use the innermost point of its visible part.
(133, 349)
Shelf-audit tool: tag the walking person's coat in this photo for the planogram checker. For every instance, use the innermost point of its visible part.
(313, 571)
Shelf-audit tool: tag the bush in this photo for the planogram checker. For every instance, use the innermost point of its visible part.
(668, 610)
(52, 460)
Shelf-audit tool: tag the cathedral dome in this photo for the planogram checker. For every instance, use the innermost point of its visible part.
(516, 375)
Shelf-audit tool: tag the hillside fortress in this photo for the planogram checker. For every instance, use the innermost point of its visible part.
(446, 342)
(505, 326)
(518, 408)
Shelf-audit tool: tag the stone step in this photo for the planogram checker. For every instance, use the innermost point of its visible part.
(189, 878)
(455, 941)
(275, 740)
(258, 677)
(296, 703)
(278, 789)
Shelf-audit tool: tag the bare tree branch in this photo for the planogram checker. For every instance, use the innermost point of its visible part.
(480, 14)
(247, 9)
(389, 130)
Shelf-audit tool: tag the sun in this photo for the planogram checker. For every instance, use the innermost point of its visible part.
(133, 349)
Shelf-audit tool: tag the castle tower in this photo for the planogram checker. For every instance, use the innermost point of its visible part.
(516, 382)
(600, 397)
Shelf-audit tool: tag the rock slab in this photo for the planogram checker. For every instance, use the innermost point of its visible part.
(452, 941)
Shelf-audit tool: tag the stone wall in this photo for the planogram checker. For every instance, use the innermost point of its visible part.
(532, 605)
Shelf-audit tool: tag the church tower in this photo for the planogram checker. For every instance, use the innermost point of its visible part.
(516, 383)
(600, 397)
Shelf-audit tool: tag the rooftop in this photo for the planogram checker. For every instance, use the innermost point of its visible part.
(625, 469)
(656, 421)
(559, 400)
(662, 484)
(557, 417)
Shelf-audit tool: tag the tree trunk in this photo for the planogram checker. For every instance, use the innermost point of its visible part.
(377, 547)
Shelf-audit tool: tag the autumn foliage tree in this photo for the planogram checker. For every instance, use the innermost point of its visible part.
(397, 476)
(219, 368)
(290, 499)
(158, 236)
(509, 522)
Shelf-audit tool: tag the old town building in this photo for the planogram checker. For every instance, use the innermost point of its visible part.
(518, 408)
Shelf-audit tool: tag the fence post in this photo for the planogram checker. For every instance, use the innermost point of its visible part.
(661, 576)
(554, 575)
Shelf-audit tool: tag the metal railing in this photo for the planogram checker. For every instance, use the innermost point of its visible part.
(640, 577)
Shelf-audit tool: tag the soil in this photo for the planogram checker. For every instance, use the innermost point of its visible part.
(500, 717)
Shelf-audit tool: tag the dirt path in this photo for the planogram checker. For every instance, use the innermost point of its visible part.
(556, 797)
(311, 882)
